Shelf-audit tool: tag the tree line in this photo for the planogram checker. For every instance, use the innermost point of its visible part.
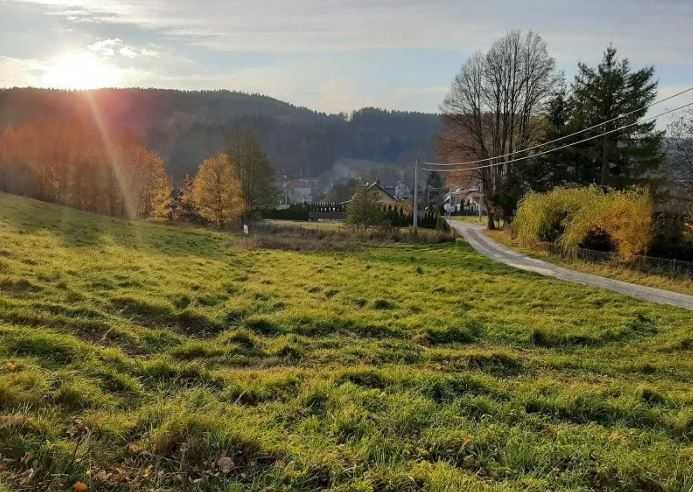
(512, 98)
(86, 166)
(72, 163)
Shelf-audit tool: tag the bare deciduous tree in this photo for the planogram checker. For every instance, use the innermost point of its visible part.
(680, 151)
(489, 110)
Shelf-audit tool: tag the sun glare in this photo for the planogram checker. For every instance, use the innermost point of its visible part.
(80, 71)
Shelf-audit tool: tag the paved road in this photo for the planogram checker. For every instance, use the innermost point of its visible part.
(473, 234)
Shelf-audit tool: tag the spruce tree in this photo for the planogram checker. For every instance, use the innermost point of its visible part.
(600, 94)
(557, 168)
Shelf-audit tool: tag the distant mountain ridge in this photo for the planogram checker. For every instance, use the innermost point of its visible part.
(185, 127)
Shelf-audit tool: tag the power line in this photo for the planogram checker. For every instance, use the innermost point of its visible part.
(560, 147)
(623, 115)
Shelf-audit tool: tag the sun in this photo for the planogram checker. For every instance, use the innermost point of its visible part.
(80, 71)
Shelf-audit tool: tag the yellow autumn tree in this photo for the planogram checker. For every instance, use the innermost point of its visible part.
(216, 191)
(68, 162)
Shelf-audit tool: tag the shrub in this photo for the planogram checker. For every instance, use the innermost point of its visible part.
(365, 210)
(299, 212)
(544, 216)
(625, 216)
(576, 217)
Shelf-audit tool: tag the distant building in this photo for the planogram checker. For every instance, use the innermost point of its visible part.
(386, 197)
(300, 190)
(402, 191)
(464, 200)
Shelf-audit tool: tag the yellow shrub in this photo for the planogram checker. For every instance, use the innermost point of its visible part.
(545, 216)
(628, 220)
(568, 216)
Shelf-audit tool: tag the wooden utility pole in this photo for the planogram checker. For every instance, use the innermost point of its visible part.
(415, 211)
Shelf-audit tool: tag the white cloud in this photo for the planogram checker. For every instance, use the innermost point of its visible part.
(116, 46)
(337, 56)
(278, 26)
(148, 52)
(127, 52)
(106, 47)
(19, 73)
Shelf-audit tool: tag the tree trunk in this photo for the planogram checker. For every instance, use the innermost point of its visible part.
(490, 222)
(605, 164)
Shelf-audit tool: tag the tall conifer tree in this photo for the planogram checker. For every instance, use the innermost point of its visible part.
(600, 94)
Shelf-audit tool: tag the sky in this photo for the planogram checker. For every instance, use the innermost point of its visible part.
(328, 55)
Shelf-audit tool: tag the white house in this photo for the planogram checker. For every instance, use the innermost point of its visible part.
(464, 200)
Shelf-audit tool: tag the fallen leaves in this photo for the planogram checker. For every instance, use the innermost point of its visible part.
(80, 487)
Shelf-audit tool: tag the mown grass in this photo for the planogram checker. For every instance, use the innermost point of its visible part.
(610, 270)
(138, 356)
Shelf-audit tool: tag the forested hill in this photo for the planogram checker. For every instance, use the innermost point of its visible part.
(186, 127)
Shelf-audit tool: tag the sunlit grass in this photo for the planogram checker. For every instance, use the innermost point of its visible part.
(139, 356)
(470, 219)
(619, 272)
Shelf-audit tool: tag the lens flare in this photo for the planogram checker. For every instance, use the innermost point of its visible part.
(80, 71)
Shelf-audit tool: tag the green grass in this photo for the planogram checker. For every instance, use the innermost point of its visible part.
(139, 356)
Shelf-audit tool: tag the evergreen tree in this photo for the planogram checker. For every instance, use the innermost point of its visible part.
(434, 189)
(184, 204)
(558, 168)
(601, 94)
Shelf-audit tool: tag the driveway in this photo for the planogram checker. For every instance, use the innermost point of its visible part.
(473, 234)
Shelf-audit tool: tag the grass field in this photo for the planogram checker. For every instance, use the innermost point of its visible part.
(138, 356)
(619, 272)
(470, 219)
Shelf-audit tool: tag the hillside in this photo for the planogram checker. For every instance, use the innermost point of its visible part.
(139, 356)
(186, 127)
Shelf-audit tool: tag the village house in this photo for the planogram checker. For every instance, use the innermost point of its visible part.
(388, 198)
(464, 201)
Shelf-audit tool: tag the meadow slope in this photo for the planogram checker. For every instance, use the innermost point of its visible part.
(139, 356)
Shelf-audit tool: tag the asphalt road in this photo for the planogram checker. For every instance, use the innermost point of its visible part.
(473, 234)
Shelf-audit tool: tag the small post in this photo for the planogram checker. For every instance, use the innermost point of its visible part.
(415, 211)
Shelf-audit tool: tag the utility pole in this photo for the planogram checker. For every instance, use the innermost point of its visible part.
(415, 210)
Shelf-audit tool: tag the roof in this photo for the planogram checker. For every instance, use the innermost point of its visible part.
(376, 185)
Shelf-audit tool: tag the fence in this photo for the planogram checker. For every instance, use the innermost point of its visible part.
(466, 212)
(646, 264)
(396, 216)
(326, 211)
